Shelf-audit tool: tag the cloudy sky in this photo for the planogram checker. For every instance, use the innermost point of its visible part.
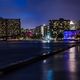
(35, 12)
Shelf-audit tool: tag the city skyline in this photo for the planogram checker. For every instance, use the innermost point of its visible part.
(36, 12)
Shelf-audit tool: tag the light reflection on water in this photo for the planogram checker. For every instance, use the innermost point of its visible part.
(50, 74)
(44, 69)
(72, 64)
(46, 46)
(69, 64)
(44, 61)
(47, 71)
(72, 60)
(52, 68)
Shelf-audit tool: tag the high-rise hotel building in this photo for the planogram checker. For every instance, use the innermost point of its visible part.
(10, 27)
(58, 26)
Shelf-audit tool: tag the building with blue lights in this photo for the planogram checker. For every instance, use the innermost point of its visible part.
(71, 34)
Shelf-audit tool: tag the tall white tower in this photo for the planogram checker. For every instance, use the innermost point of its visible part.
(42, 30)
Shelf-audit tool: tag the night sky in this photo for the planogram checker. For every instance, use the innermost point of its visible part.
(36, 12)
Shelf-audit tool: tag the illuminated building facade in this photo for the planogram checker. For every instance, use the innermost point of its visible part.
(30, 33)
(71, 34)
(37, 31)
(45, 30)
(58, 26)
(42, 30)
(77, 24)
(10, 27)
(72, 25)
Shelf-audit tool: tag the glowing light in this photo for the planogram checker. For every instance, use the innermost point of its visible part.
(72, 25)
(71, 22)
(42, 30)
(44, 61)
(72, 62)
(44, 53)
(44, 24)
(48, 41)
(45, 41)
(47, 38)
(69, 34)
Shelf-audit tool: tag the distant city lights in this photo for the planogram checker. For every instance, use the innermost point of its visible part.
(47, 38)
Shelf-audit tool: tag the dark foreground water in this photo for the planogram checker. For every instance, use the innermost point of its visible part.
(13, 51)
(64, 66)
